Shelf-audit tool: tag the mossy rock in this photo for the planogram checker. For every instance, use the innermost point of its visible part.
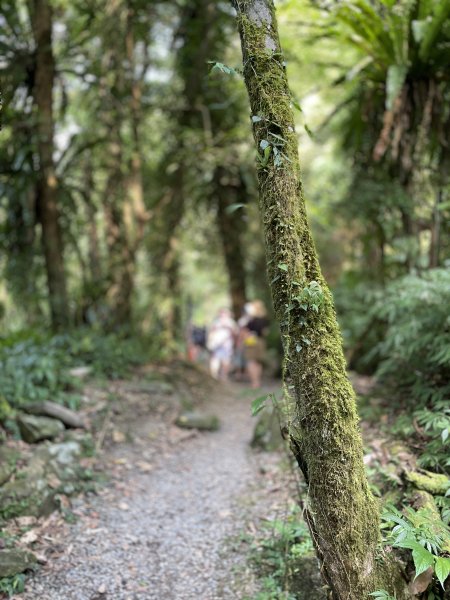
(34, 429)
(198, 420)
(267, 435)
(15, 561)
(8, 459)
(434, 483)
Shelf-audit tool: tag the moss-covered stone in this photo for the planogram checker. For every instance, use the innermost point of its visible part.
(14, 561)
(197, 420)
(267, 435)
(34, 429)
(8, 458)
(434, 483)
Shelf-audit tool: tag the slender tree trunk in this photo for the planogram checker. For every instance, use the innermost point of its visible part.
(231, 228)
(195, 38)
(135, 189)
(341, 513)
(435, 232)
(48, 211)
(118, 215)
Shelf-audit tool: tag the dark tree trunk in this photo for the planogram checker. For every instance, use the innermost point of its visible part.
(48, 211)
(231, 227)
(341, 512)
(435, 240)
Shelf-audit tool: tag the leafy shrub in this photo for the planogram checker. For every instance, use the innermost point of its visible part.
(32, 370)
(421, 532)
(12, 585)
(34, 367)
(415, 352)
(362, 329)
(110, 355)
(281, 559)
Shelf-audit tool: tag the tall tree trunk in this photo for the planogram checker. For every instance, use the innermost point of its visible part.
(231, 228)
(195, 38)
(118, 216)
(135, 189)
(341, 513)
(48, 212)
(435, 232)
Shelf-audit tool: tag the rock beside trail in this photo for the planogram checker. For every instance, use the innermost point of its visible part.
(50, 409)
(8, 458)
(15, 561)
(51, 469)
(197, 420)
(34, 429)
(267, 435)
(64, 453)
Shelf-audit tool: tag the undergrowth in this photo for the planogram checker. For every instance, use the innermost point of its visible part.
(283, 558)
(36, 367)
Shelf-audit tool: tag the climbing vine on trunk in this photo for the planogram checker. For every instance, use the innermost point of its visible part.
(342, 514)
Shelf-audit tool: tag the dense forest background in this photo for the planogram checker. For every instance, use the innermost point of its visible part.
(129, 197)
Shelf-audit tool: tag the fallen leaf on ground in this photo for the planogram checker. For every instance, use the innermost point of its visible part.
(145, 467)
(118, 436)
(29, 537)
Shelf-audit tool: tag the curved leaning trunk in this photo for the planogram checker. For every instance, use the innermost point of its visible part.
(342, 514)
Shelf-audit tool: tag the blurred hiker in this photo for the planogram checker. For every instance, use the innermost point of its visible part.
(196, 343)
(220, 342)
(254, 344)
(239, 363)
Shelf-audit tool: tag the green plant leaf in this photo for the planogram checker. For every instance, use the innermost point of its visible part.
(218, 66)
(258, 404)
(396, 76)
(422, 559)
(283, 266)
(442, 569)
(296, 104)
(234, 207)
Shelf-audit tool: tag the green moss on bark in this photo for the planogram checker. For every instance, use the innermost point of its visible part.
(343, 515)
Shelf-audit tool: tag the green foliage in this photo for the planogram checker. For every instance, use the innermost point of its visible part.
(423, 534)
(13, 585)
(32, 370)
(218, 66)
(436, 427)
(382, 595)
(258, 404)
(277, 557)
(34, 367)
(311, 297)
(416, 348)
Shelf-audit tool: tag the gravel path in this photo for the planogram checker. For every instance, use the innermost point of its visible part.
(162, 534)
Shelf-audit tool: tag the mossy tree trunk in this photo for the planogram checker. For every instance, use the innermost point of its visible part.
(47, 186)
(342, 514)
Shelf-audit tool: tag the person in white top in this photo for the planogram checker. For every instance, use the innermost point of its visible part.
(220, 343)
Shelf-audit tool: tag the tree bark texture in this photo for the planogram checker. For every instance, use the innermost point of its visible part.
(231, 228)
(48, 210)
(341, 512)
(123, 192)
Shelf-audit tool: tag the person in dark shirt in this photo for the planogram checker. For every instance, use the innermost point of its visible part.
(254, 343)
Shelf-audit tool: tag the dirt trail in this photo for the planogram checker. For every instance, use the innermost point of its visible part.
(160, 533)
